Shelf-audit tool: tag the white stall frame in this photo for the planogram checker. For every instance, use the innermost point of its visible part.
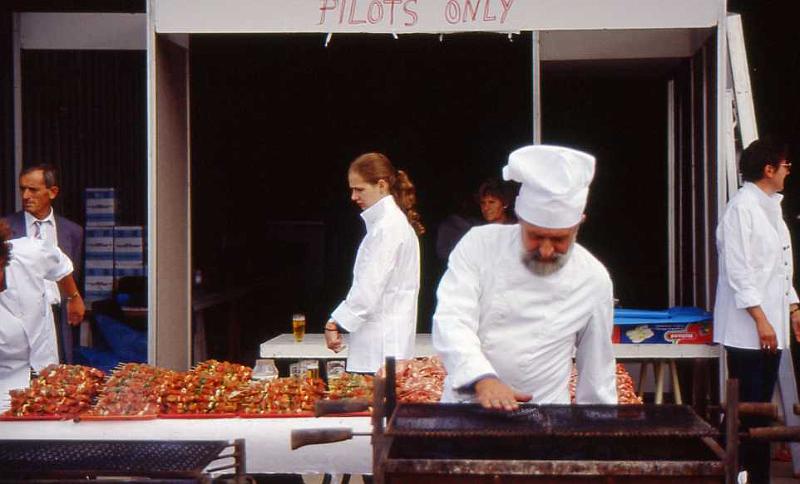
(562, 30)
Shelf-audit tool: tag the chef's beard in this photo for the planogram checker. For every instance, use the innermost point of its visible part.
(531, 260)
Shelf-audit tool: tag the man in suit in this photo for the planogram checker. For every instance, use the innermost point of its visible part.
(38, 186)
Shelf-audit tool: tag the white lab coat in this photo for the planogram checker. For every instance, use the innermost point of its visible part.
(15, 369)
(32, 262)
(380, 310)
(755, 269)
(495, 317)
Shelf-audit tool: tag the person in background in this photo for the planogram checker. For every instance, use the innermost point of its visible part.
(495, 198)
(755, 301)
(380, 310)
(25, 264)
(517, 301)
(458, 223)
(38, 185)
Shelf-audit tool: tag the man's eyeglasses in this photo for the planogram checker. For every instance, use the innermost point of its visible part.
(786, 164)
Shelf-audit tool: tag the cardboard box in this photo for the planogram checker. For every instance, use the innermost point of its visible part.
(101, 207)
(678, 325)
(664, 333)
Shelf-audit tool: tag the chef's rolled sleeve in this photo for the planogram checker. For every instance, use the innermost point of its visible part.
(741, 273)
(455, 323)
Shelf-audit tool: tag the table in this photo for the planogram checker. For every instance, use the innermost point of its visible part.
(661, 357)
(266, 439)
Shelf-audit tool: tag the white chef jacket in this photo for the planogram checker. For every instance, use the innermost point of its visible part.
(495, 317)
(380, 310)
(15, 369)
(32, 262)
(755, 269)
(48, 233)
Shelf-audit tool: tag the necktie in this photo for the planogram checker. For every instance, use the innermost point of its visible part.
(37, 230)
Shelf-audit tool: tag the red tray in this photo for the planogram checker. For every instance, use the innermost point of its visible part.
(196, 415)
(23, 418)
(276, 415)
(365, 413)
(114, 417)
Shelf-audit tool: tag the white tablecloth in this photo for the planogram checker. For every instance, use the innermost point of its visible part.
(313, 347)
(266, 440)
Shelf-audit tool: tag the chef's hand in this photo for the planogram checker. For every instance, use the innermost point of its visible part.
(75, 310)
(333, 339)
(794, 317)
(494, 394)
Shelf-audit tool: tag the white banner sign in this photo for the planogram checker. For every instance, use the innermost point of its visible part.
(410, 16)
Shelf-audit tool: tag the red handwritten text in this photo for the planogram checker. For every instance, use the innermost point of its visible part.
(472, 11)
(358, 12)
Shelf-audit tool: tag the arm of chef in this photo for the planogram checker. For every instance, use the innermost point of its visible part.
(594, 358)
(379, 255)
(55, 263)
(736, 229)
(456, 320)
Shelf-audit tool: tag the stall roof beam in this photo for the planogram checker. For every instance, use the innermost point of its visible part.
(431, 16)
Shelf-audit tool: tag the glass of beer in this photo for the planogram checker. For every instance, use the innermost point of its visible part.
(298, 326)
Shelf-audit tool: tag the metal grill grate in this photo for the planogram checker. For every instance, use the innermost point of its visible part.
(108, 457)
(454, 420)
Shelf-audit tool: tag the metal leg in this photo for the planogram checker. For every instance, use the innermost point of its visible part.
(676, 386)
(642, 377)
(660, 382)
(326, 479)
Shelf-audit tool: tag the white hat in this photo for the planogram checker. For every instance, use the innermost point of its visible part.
(555, 184)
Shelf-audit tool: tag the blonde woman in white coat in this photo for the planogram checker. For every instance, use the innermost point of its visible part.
(380, 310)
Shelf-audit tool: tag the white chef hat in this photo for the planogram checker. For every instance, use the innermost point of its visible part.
(555, 184)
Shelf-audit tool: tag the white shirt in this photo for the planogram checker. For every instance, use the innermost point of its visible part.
(49, 233)
(14, 356)
(496, 317)
(32, 262)
(755, 269)
(380, 310)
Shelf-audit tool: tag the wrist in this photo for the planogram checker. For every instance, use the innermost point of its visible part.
(331, 326)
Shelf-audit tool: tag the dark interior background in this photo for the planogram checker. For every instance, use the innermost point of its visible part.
(276, 120)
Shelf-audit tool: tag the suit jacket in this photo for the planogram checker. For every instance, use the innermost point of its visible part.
(70, 237)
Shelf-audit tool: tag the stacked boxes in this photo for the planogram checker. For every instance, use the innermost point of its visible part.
(99, 279)
(101, 207)
(112, 251)
(128, 251)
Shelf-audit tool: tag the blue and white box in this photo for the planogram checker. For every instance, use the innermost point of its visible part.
(99, 263)
(129, 251)
(101, 207)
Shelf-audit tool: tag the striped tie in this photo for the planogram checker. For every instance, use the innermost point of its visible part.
(37, 232)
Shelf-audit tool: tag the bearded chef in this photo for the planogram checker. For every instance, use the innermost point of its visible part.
(518, 301)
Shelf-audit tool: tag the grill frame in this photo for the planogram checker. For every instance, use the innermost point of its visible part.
(54, 459)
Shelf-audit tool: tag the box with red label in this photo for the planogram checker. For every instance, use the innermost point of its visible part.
(673, 326)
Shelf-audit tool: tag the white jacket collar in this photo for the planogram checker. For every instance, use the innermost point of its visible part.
(770, 203)
(377, 210)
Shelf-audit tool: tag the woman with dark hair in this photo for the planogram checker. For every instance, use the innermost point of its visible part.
(495, 198)
(756, 302)
(380, 310)
(14, 350)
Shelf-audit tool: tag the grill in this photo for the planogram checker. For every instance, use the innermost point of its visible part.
(466, 443)
(440, 443)
(26, 459)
